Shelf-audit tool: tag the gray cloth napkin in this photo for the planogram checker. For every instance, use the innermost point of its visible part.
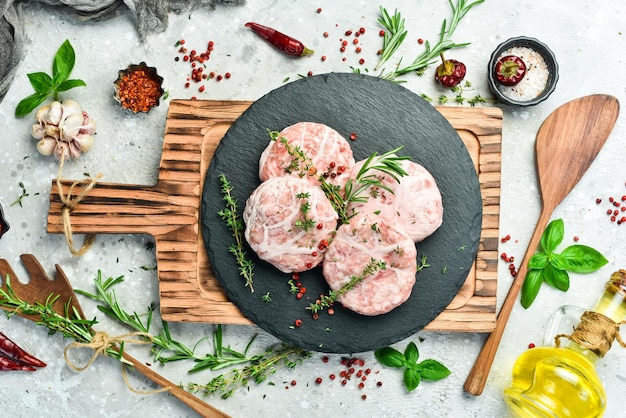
(150, 16)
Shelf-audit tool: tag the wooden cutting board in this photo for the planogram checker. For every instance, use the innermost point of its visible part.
(170, 212)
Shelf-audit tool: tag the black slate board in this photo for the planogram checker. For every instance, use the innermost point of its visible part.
(384, 116)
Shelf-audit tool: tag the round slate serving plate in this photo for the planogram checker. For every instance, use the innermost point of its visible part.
(384, 116)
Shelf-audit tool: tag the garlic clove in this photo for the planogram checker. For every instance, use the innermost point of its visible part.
(70, 126)
(36, 131)
(53, 114)
(47, 145)
(84, 142)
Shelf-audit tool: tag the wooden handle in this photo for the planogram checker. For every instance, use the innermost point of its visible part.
(477, 378)
(187, 398)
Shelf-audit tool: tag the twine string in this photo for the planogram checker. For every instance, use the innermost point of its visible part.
(69, 203)
(100, 343)
(595, 332)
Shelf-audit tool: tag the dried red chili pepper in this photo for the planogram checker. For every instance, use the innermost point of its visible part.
(285, 43)
(7, 364)
(12, 351)
(510, 70)
(450, 72)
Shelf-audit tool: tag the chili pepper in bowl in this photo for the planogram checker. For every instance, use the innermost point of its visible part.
(279, 40)
(11, 352)
(510, 70)
(450, 72)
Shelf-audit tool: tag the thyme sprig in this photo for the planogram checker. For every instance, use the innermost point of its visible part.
(70, 323)
(164, 348)
(24, 194)
(430, 55)
(326, 301)
(231, 218)
(258, 371)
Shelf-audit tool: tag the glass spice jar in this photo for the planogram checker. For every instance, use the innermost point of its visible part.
(562, 381)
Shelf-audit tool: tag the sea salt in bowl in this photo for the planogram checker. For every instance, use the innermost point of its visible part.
(542, 72)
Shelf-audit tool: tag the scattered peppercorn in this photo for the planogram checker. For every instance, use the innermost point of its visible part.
(531, 345)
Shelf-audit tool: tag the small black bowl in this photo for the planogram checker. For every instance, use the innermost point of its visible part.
(548, 57)
(4, 225)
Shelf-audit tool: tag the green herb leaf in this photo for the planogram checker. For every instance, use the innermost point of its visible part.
(530, 289)
(390, 357)
(41, 82)
(63, 63)
(582, 259)
(412, 379)
(411, 354)
(555, 277)
(553, 267)
(70, 84)
(414, 372)
(553, 235)
(46, 85)
(26, 105)
(538, 261)
(433, 370)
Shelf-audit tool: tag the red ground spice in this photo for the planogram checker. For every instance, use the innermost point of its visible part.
(139, 91)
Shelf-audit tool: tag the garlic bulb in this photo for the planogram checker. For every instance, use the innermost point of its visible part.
(64, 130)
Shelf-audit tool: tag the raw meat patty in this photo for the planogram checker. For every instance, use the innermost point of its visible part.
(415, 205)
(280, 228)
(328, 151)
(368, 237)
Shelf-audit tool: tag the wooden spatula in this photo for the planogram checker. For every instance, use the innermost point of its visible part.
(567, 143)
(41, 287)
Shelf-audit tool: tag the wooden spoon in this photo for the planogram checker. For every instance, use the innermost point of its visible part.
(567, 143)
(38, 290)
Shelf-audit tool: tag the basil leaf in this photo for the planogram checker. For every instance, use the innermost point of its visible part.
(63, 63)
(531, 286)
(433, 370)
(557, 261)
(390, 357)
(538, 261)
(556, 277)
(582, 259)
(41, 82)
(412, 379)
(411, 354)
(70, 84)
(26, 105)
(553, 235)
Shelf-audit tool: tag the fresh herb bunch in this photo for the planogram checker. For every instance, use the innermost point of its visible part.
(430, 55)
(459, 96)
(70, 324)
(414, 372)
(258, 371)
(551, 267)
(326, 301)
(164, 348)
(231, 218)
(46, 85)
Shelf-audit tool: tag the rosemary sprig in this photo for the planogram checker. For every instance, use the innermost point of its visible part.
(70, 323)
(366, 179)
(229, 215)
(326, 301)
(430, 55)
(258, 371)
(394, 34)
(164, 348)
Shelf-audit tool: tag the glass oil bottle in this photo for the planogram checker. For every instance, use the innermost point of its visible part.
(562, 381)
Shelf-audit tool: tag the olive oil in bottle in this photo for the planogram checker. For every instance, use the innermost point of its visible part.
(562, 381)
